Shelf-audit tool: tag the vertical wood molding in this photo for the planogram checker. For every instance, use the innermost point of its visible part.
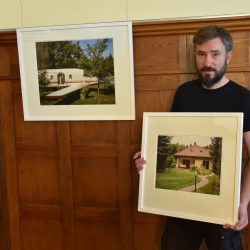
(182, 52)
(66, 188)
(125, 185)
(8, 163)
(249, 53)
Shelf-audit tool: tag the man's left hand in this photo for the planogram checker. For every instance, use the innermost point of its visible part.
(243, 219)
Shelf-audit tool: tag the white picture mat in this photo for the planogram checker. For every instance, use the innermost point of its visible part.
(220, 209)
(121, 33)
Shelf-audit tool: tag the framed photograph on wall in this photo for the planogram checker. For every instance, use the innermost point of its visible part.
(77, 72)
(193, 165)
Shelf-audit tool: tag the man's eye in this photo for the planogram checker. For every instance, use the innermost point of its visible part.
(215, 54)
(200, 54)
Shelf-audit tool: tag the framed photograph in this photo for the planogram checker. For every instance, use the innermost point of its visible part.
(77, 72)
(193, 165)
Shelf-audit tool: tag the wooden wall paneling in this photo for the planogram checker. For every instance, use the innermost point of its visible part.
(41, 232)
(39, 178)
(39, 192)
(102, 202)
(240, 57)
(238, 69)
(8, 191)
(73, 185)
(155, 54)
(35, 132)
(5, 66)
(66, 185)
(190, 59)
(95, 184)
(240, 77)
(156, 80)
(3, 236)
(124, 186)
(85, 133)
(182, 53)
(185, 27)
(249, 50)
(96, 235)
(4, 225)
(10, 212)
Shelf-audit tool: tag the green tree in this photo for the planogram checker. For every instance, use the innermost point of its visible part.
(215, 152)
(101, 66)
(42, 55)
(163, 151)
(58, 54)
(42, 79)
(170, 162)
(85, 64)
(109, 62)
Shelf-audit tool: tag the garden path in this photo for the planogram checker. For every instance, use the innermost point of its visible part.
(202, 183)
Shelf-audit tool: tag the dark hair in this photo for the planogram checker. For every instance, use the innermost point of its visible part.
(207, 33)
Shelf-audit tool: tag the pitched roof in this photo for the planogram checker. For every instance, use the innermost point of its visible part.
(194, 151)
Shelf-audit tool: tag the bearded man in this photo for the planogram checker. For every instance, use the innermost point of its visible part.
(211, 92)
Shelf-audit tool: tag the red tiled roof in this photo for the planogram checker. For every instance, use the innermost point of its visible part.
(194, 151)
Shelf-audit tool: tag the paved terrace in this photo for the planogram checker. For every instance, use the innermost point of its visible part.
(71, 87)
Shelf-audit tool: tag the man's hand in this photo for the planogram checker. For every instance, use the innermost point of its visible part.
(243, 219)
(139, 162)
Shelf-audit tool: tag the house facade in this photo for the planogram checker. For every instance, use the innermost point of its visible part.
(62, 76)
(193, 155)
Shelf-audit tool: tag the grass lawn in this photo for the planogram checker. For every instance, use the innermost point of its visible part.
(106, 95)
(212, 187)
(175, 179)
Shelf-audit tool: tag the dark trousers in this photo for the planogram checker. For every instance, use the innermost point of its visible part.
(180, 234)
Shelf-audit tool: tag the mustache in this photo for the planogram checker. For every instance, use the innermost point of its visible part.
(208, 69)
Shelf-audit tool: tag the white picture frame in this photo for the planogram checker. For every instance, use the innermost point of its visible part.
(221, 208)
(119, 34)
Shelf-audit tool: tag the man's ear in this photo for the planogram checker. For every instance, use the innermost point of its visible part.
(229, 55)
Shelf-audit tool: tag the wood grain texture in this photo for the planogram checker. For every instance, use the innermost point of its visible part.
(72, 184)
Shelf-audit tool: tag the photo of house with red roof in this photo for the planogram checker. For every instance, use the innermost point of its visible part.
(193, 155)
(189, 163)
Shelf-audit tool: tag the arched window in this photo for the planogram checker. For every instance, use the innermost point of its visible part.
(61, 78)
(70, 76)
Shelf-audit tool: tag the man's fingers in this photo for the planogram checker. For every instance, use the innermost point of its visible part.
(137, 155)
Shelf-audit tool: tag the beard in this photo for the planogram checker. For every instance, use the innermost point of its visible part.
(209, 81)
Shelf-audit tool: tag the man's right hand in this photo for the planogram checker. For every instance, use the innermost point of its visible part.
(139, 162)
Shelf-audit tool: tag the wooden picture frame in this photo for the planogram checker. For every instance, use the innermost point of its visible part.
(162, 189)
(77, 72)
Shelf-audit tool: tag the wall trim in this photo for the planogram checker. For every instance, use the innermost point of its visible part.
(239, 23)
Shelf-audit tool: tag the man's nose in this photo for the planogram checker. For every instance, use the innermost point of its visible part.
(208, 60)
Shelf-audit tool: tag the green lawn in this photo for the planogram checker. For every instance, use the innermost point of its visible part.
(175, 179)
(212, 187)
(106, 95)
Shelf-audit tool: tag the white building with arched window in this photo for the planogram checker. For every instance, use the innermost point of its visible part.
(64, 76)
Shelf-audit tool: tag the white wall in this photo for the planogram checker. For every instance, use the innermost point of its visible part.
(10, 14)
(180, 9)
(31, 13)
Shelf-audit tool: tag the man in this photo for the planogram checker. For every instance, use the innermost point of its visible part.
(211, 92)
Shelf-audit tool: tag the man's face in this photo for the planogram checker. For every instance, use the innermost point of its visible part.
(211, 61)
